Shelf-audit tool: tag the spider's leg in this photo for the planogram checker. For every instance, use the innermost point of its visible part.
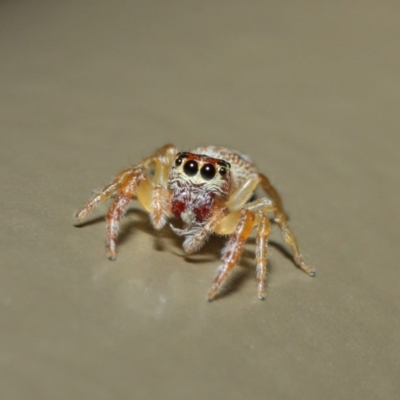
(161, 158)
(117, 210)
(281, 220)
(233, 249)
(272, 192)
(138, 181)
(104, 194)
(114, 215)
(263, 232)
(152, 195)
(291, 240)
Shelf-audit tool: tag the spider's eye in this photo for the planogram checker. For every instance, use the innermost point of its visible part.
(207, 172)
(178, 161)
(191, 168)
(222, 171)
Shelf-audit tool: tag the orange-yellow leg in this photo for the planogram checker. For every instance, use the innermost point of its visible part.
(292, 241)
(117, 210)
(105, 193)
(161, 158)
(232, 251)
(138, 185)
(271, 191)
(264, 229)
(114, 215)
(124, 186)
(281, 220)
(131, 183)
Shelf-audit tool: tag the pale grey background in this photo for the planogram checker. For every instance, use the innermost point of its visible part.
(309, 89)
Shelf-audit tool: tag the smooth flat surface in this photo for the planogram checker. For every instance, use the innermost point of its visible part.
(309, 90)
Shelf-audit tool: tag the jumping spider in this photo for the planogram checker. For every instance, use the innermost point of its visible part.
(209, 190)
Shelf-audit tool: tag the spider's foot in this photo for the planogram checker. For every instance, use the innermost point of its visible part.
(310, 271)
(112, 254)
(210, 297)
(261, 290)
(80, 215)
(303, 266)
(212, 293)
(261, 296)
(313, 272)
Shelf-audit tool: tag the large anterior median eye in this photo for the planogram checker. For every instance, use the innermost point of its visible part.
(191, 168)
(207, 172)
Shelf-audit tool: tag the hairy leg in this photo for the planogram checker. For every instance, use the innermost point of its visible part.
(118, 209)
(114, 216)
(105, 193)
(281, 220)
(264, 229)
(232, 251)
(135, 182)
(162, 158)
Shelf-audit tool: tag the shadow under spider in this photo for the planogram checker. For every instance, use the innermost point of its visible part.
(211, 249)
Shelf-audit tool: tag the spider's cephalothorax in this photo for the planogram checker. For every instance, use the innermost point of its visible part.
(210, 191)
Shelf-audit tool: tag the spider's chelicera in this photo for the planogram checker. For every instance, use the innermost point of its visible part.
(210, 190)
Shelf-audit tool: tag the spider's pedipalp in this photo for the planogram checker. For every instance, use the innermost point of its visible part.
(243, 193)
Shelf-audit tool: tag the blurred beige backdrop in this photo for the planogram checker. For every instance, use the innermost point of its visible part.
(310, 90)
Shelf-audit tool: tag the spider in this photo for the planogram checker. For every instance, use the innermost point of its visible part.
(210, 191)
